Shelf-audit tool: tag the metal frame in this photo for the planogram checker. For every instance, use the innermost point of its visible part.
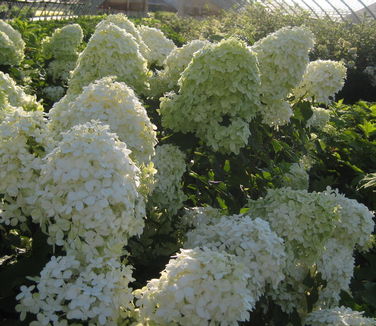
(89, 7)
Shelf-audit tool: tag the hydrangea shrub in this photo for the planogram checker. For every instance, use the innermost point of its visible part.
(159, 45)
(199, 286)
(11, 44)
(62, 48)
(114, 104)
(216, 103)
(109, 44)
(167, 79)
(229, 184)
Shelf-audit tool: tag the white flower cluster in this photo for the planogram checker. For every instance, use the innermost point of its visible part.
(64, 42)
(87, 201)
(321, 81)
(160, 46)
(356, 223)
(276, 112)
(110, 44)
(340, 316)
(122, 21)
(296, 178)
(54, 93)
(218, 96)
(114, 104)
(169, 161)
(320, 230)
(319, 118)
(15, 95)
(283, 57)
(254, 244)
(88, 198)
(70, 290)
(305, 221)
(198, 287)
(23, 139)
(195, 217)
(371, 72)
(336, 266)
(174, 65)
(11, 45)
(353, 230)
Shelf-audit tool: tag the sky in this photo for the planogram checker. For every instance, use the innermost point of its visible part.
(354, 4)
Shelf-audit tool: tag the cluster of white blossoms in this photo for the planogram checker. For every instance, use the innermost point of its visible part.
(197, 287)
(276, 112)
(87, 201)
(169, 162)
(296, 178)
(62, 47)
(340, 316)
(321, 81)
(107, 45)
(218, 96)
(23, 140)
(320, 117)
(64, 42)
(15, 96)
(122, 21)
(336, 266)
(87, 198)
(114, 104)
(174, 65)
(54, 93)
(159, 45)
(12, 45)
(356, 223)
(70, 289)
(320, 230)
(305, 221)
(371, 72)
(195, 217)
(282, 57)
(253, 243)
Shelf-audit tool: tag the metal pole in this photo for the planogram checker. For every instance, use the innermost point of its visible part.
(314, 12)
(272, 4)
(299, 6)
(279, 5)
(335, 8)
(352, 11)
(367, 8)
(291, 7)
(322, 9)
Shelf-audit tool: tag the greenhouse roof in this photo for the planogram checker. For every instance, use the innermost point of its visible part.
(355, 10)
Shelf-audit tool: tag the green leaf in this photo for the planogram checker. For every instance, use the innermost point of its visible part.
(276, 145)
(368, 128)
(227, 166)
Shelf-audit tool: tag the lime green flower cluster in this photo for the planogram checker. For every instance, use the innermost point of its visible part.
(283, 57)
(320, 231)
(11, 45)
(62, 47)
(218, 96)
(108, 45)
